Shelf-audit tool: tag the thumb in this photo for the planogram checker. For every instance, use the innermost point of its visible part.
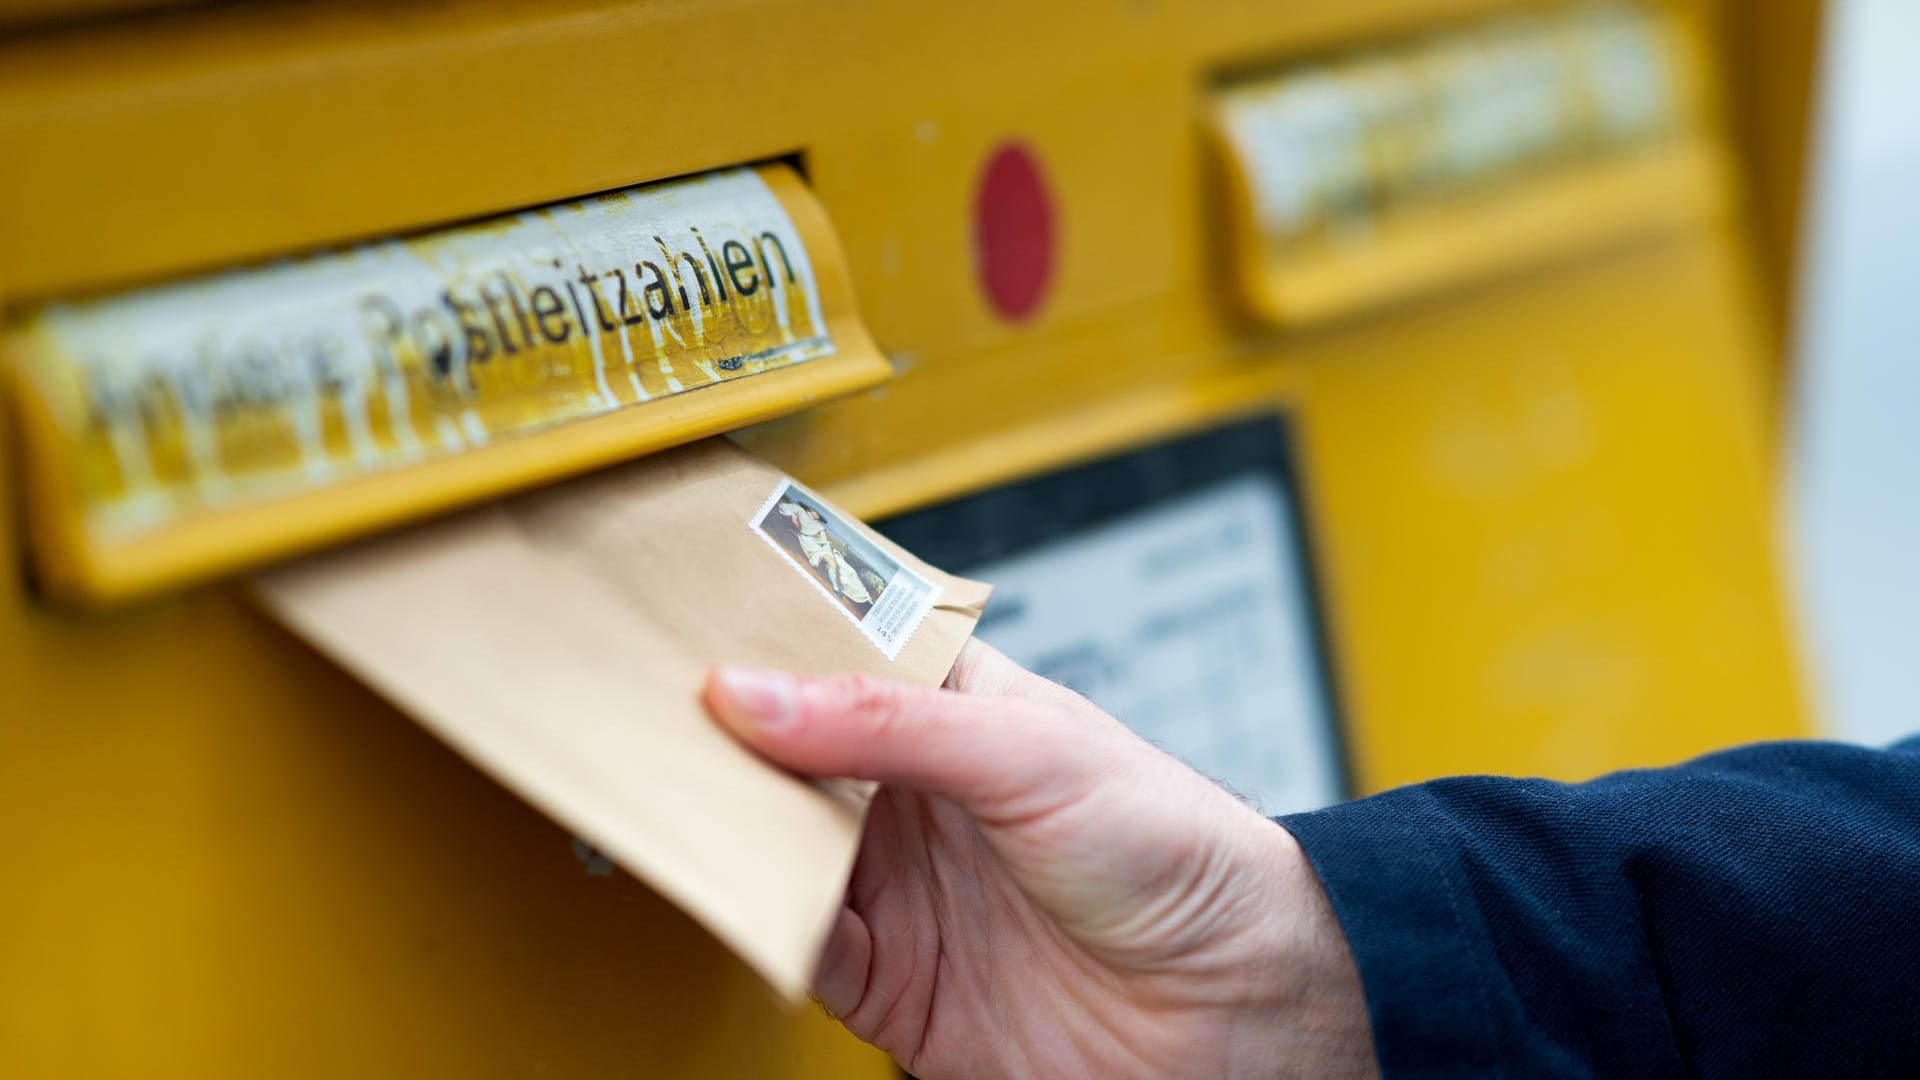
(1003, 759)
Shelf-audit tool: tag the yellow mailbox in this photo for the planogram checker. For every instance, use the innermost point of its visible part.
(1445, 310)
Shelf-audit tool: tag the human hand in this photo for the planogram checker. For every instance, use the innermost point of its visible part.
(1039, 892)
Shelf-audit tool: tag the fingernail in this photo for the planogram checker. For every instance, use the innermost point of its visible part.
(762, 698)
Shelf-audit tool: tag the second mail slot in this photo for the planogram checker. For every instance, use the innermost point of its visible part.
(1393, 171)
(191, 429)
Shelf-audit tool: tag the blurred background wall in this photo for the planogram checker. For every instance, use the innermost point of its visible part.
(1855, 411)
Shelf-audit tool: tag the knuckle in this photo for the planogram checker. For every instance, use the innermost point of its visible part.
(871, 699)
(876, 707)
(877, 700)
(969, 666)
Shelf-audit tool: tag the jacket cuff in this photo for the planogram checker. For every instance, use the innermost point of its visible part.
(1391, 865)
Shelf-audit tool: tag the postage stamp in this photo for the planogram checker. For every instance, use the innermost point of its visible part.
(885, 600)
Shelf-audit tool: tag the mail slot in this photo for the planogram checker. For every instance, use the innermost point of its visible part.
(194, 428)
(1384, 173)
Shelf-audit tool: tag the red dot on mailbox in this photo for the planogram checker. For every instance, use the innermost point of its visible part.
(1013, 231)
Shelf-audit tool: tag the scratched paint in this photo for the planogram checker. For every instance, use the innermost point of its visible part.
(259, 383)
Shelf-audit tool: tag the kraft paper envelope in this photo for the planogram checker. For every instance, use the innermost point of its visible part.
(559, 640)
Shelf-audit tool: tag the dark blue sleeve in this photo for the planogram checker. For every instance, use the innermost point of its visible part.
(1753, 913)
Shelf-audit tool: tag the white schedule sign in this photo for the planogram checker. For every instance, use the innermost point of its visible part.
(1190, 621)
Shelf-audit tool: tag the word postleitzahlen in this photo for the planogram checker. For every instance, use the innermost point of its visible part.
(259, 382)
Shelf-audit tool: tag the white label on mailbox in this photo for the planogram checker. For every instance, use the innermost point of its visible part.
(1190, 622)
(259, 382)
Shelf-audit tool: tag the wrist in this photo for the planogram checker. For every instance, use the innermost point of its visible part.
(1308, 1013)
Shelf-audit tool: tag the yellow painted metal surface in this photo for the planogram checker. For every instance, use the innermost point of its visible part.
(1505, 232)
(1773, 53)
(43, 12)
(1539, 503)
